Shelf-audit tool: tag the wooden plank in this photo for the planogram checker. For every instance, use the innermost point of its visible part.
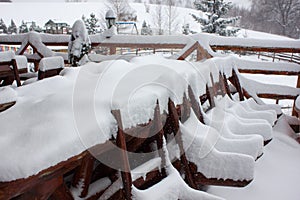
(210, 95)
(256, 49)
(235, 81)
(83, 175)
(195, 105)
(16, 72)
(271, 72)
(43, 190)
(62, 192)
(15, 188)
(276, 96)
(125, 169)
(158, 129)
(227, 89)
(177, 133)
(200, 179)
(6, 106)
(188, 51)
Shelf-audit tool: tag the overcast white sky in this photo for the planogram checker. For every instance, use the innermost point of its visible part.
(245, 3)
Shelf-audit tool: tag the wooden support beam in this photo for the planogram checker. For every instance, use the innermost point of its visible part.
(269, 71)
(16, 72)
(210, 96)
(152, 178)
(188, 51)
(235, 81)
(43, 190)
(227, 89)
(200, 179)
(158, 128)
(62, 192)
(195, 105)
(185, 109)
(125, 169)
(83, 175)
(295, 113)
(255, 49)
(174, 120)
(6, 106)
(276, 96)
(9, 190)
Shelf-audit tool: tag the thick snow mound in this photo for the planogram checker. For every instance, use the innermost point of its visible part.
(7, 95)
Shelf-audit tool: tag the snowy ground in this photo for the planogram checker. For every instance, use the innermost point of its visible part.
(276, 174)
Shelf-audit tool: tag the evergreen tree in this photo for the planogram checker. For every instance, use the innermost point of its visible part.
(34, 27)
(186, 29)
(91, 24)
(3, 27)
(23, 28)
(12, 27)
(146, 30)
(215, 21)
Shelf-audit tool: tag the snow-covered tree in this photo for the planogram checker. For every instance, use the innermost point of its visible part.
(23, 28)
(12, 28)
(146, 30)
(91, 24)
(172, 15)
(277, 16)
(79, 44)
(159, 17)
(186, 29)
(3, 27)
(35, 27)
(214, 20)
(123, 10)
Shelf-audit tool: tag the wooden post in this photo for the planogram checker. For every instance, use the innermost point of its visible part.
(159, 137)
(84, 174)
(121, 143)
(209, 94)
(62, 192)
(195, 105)
(227, 86)
(177, 132)
(294, 112)
(44, 190)
(112, 50)
(237, 84)
(16, 72)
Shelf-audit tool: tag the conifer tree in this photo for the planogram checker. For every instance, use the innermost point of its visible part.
(3, 27)
(214, 20)
(91, 24)
(146, 30)
(23, 28)
(12, 27)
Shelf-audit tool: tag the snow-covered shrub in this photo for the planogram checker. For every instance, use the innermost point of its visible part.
(79, 44)
(146, 30)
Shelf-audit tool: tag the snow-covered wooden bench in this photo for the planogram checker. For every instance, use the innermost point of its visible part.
(198, 157)
(9, 68)
(50, 66)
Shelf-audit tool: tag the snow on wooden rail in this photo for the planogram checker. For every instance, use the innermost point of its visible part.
(40, 41)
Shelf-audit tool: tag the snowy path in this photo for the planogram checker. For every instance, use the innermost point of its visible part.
(277, 174)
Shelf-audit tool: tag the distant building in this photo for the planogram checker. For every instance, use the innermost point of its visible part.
(56, 27)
